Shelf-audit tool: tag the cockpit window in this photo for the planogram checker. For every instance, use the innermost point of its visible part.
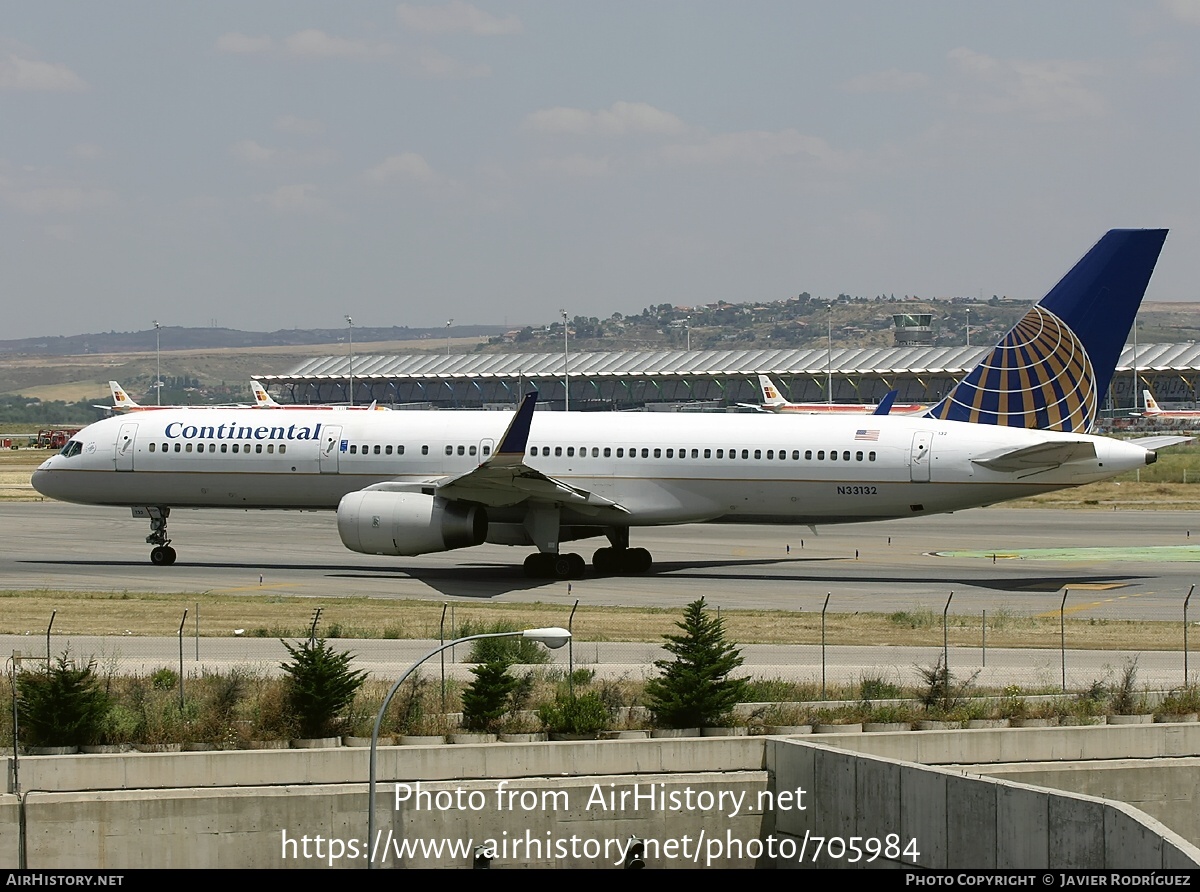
(73, 447)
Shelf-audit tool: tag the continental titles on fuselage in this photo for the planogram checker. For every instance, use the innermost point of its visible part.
(177, 430)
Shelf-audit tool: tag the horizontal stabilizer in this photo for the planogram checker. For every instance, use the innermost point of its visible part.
(1041, 455)
(1156, 443)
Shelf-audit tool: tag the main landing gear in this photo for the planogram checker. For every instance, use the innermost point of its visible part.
(162, 554)
(617, 559)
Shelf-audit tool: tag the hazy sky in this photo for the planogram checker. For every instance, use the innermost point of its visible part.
(265, 165)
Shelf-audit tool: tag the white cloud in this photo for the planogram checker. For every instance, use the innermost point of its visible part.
(315, 44)
(622, 119)
(87, 151)
(297, 125)
(893, 80)
(311, 43)
(756, 147)
(455, 16)
(1186, 11)
(60, 199)
(1048, 90)
(252, 152)
(294, 198)
(407, 166)
(428, 62)
(580, 166)
(21, 74)
(240, 43)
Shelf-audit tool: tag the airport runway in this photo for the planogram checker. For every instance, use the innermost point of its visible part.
(1118, 564)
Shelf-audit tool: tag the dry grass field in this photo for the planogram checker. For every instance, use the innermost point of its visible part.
(269, 616)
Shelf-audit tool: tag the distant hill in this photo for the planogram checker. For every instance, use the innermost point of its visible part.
(179, 338)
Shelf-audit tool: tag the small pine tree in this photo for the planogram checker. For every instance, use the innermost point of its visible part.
(695, 688)
(486, 699)
(320, 686)
(61, 706)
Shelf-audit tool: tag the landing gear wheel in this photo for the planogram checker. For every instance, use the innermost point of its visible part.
(562, 566)
(635, 560)
(604, 561)
(555, 566)
(162, 555)
(537, 566)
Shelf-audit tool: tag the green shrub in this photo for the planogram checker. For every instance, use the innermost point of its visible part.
(164, 679)
(61, 705)
(320, 686)
(696, 688)
(487, 698)
(584, 714)
(1181, 700)
(506, 650)
(878, 688)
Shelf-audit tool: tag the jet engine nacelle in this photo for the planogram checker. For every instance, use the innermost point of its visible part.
(405, 523)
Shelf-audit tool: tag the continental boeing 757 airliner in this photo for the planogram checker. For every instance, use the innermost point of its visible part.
(409, 483)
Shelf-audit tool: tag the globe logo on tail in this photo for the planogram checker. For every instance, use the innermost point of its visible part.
(1039, 376)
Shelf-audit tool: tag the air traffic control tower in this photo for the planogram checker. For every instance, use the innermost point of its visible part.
(913, 329)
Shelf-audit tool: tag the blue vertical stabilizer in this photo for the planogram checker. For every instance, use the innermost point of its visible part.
(1052, 369)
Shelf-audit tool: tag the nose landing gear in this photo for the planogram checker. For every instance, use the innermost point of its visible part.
(162, 554)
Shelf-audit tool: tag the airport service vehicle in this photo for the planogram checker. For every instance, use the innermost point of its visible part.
(421, 482)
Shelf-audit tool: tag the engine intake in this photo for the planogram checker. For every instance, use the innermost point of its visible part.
(404, 523)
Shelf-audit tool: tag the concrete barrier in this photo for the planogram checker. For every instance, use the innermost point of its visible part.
(308, 808)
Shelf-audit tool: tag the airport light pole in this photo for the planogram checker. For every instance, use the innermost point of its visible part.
(687, 322)
(350, 323)
(553, 637)
(566, 366)
(829, 358)
(157, 365)
(449, 322)
(968, 326)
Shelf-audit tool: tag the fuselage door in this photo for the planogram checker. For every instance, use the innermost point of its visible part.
(331, 448)
(123, 456)
(918, 463)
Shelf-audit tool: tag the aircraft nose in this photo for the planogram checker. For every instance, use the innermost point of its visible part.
(43, 481)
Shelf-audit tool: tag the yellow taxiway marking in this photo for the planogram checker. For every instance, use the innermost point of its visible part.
(1076, 608)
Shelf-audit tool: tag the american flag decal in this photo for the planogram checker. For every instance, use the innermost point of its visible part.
(866, 435)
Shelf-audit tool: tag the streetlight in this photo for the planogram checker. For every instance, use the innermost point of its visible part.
(553, 637)
(687, 321)
(449, 322)
(829, 357)
(350, 322)
(968, 326)
(566, 361)
(157, 366)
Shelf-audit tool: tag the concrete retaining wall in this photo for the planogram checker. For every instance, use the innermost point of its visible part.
(931, 817)
(255, 809)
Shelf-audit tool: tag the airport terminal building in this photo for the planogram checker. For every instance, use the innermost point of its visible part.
(701, 379)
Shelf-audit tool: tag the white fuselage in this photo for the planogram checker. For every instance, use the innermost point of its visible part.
(662, 469)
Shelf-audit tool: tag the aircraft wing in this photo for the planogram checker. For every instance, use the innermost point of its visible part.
(504, 479)
(1037, 457)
